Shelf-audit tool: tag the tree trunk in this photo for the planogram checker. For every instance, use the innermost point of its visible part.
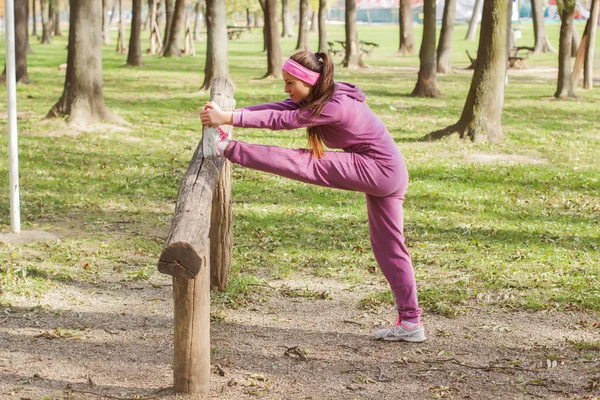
(21, 21)
(198, 22)
(314, 22)
(472, 32)
(565, 86)
(134, 56)
(588, 66)
(82, 98)
(216, 65)
(303, 26)
(286, 19)
(263, 6)
(407, 38)
(274, 63)
(577, 70)
(352, 59)
(575, 40)
(426, 83)
(481, 118)
(444, 50)
(322, 26)
(174, 45)
(169, 8)
(57, 31)
(46, 22)
(34, 32)
(542, 44)
(112, 12)
(105, 31)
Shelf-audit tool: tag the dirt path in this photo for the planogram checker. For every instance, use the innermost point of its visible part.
(115, 339)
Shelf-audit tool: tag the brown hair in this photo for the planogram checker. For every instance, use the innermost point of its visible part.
(320, 94)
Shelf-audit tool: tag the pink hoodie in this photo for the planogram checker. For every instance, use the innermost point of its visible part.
(346, 122)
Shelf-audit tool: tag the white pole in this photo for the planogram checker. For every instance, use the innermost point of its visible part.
(11, 88)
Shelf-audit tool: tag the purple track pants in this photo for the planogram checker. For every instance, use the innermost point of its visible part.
(384, 187)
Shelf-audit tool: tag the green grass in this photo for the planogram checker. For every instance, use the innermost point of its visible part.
(518, 235)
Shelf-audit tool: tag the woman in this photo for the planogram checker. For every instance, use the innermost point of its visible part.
(335, 114)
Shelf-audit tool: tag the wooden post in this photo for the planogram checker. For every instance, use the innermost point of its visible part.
(187, 253)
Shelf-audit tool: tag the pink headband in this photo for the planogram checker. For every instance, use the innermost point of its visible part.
(300, 72)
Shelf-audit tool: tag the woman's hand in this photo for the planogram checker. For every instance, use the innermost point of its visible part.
(212, 114)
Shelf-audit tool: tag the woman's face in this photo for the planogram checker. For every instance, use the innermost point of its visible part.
(297, 89)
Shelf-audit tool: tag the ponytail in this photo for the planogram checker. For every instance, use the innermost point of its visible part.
(320, 94)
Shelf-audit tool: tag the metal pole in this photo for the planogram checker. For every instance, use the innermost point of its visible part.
(11, 89)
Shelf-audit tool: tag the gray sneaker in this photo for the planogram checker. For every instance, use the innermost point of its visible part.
(211, 137)
(401, 332)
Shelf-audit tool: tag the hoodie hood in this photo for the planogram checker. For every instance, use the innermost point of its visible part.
(350, 90)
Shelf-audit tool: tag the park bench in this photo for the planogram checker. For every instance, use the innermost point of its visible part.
(333, 50)
(367, 47)
(515, 60)
(234, 32)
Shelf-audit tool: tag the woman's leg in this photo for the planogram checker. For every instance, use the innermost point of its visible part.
(387, 240)
(339, 170)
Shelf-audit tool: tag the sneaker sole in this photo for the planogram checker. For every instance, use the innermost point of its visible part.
(209, 146)
(406, 339)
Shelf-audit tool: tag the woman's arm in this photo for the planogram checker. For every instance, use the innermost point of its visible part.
(287, 104)
(286, 119)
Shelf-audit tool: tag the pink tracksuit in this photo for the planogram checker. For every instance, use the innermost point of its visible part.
(370, 163)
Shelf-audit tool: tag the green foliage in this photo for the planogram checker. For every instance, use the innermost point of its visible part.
(519, 233)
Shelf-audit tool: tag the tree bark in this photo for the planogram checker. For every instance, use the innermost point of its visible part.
(187, 254)
(426, 82)
(169, 8)
(352, 58)
(302, 43)
(273, 45)
(588, 66)
(216, 65)
(34, 32)
(46, 22)
(198, 22)
(21, 21)
(286, 19)
(105, 31)
(134, 55)
(575, 40)
(314, 22)
(564, 85)
(444, 50)
(221, 232)
(472, 31)
(56, 19)
(481, 118)
(407, 37)
(542, 43)
(82, 98)
(323, 46)
(173, 48)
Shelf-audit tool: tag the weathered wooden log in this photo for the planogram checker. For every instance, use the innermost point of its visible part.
(187, 253)
(221, 236)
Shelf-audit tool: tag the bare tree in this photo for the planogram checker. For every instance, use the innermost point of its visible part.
(407, 38)
(444, 50)
(575, 40)
(322, 27)
(56, 18)
(105, 31)
(198, 21)
(21, 15)
(314, 22)
(169, 8)
(302, 43)
(34, 32)
(286, 19)
(134, 55)
(565, 87)
(542, 44)
(173, 48)
(272, 43)
(426, 83)
(352, 59)
(46, 22)
(481, 118)
(472, 31)
(588, 67)
(216, 65)
(82, 98)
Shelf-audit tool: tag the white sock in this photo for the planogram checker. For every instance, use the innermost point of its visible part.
(410, 325)
(222, 145)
